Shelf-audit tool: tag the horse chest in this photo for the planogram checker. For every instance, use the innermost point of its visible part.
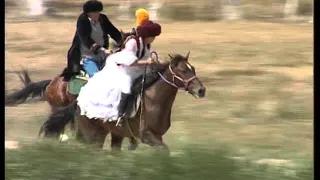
(159, 110)
(160, 123)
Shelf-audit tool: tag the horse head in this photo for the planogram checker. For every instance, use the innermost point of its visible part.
(184, 75)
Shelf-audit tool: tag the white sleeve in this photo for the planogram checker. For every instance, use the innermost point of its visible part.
(131, 45)
(128, 55)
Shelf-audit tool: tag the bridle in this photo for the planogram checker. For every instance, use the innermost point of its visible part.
(185, 82)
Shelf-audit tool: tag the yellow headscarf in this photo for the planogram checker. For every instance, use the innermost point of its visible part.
(142, 16)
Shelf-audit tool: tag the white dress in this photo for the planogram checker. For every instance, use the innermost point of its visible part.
(100, 97)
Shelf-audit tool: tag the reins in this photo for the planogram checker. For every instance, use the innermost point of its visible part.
(142, 93)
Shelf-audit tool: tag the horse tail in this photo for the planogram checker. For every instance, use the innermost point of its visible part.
(56, 122)
(33, 88)
(26, 78)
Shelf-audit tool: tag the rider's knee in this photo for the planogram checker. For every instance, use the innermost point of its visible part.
(90, 67)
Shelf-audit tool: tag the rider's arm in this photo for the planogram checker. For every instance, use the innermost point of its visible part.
(141, 62)
(129, 57)
(84, 33)
(110, 28)
(146, 61)
(131, 45)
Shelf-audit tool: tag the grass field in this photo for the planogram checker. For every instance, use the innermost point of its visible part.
(255, 123)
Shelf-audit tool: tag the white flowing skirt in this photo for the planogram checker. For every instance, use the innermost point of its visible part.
(100, 97)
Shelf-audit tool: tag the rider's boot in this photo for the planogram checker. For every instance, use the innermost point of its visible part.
(122, 107)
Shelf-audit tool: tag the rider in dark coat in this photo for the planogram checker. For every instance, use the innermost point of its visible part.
(91, 41)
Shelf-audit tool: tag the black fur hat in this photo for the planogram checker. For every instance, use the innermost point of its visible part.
(92, 6)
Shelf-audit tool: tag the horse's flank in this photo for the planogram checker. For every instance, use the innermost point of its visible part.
(57, 93)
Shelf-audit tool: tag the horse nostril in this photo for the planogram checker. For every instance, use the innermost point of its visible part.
(201, 91)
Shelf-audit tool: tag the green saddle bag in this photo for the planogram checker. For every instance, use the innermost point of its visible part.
(77, 82)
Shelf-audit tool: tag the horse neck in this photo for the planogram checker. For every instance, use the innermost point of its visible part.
(165, 93)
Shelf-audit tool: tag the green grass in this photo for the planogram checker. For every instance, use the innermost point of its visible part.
(64, 161)
(251, 109)
(259, 105)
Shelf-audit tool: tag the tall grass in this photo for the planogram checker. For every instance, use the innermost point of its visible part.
(63, 161)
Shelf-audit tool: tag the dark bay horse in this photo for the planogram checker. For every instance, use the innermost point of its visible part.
(150, 124)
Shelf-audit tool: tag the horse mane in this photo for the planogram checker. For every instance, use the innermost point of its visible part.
(153, 76)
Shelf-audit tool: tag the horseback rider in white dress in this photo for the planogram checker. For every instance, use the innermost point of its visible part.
(97, 99)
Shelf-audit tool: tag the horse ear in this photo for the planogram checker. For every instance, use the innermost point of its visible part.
(170, 56)
(122, 33)
(187, 56)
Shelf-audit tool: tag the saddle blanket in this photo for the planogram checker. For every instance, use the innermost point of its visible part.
(76, 82)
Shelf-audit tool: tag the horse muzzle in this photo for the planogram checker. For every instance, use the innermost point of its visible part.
(198, 93)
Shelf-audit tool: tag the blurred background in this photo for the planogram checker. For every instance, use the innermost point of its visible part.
(254, 56)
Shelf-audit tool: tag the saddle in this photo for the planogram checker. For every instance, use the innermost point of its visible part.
(76, 82)
(133, 106)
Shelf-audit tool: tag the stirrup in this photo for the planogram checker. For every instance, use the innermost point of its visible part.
(119, 121)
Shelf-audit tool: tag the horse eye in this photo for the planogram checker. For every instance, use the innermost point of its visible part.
(184, 71)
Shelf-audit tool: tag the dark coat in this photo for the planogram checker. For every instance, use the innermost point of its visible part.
(83, 34)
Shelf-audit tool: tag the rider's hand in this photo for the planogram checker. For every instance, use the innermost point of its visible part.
(107, 52)
(150, 61)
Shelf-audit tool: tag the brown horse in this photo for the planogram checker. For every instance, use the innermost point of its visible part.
(54, 91)
(149, 124)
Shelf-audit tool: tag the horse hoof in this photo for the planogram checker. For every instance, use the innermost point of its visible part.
(132, 147)
(163, 148)
(63, 138)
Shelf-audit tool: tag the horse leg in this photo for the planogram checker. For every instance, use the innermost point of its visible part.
(71, 98)
(153, 140)
(72, 126)
(116, 142)
(100, 138)
(78, 133)
(91, 131)
(72, 122)
(54, 110)
(133, 144)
